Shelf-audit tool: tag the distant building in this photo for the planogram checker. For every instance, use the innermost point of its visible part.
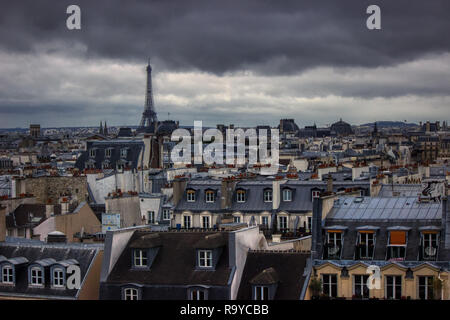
(342, 128)
(35, 130)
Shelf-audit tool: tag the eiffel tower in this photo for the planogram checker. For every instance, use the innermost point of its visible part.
(149, 120)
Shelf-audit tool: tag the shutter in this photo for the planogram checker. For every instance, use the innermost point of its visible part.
(398, 238)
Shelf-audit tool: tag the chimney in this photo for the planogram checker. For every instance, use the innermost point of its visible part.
(49, 209)
(2, 224)
(317, 243)
(226, 191)
(330, 183)
(178, 186)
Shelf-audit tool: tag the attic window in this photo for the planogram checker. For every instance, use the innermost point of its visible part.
(130, 294)
(210, 196)
(261, 293)
(140, 258)
(58, 278)
(397, 245)
(190, 195)
(205, 258)
(240, 196)
(92, 152)
(428, 245)
(7, 274)
(287, 195)
(36, 276)
(123, 152)
(268, 195)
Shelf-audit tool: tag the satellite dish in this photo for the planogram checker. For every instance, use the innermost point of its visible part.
(430, 251)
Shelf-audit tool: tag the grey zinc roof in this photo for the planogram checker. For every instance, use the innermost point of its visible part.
(200, 204)
(401, 190)
(384, 208)
(254, 197)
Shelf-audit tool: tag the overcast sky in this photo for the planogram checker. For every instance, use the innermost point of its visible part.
(245, 62)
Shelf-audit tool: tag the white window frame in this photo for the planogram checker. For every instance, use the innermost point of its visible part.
(210, 196)
(285, 222)
(189, 217)
(92, 152)
(240, 196)
(190, 196)
(8, 275)
(315, 194)
(123, 153)
(130, 294)
(140, 260)
(36, 276)
(268, 195)
(426, 286)
(166, 214)
(208, 224)
(237, 219)
(362, 284)
(330, 284)
(58, 278)
(205, 258)
(365, 236)
(108, 152)
(430, 241)
(151, 217)
(262, 220)
(287, 194)
(394, 284)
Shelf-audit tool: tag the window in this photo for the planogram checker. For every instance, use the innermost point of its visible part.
(315, 194)
(237, 219)
(206, 222)
(309, 224)
(198, 295)
(37, 277)
(366, 241)
(151, 217)
(210, 196)
(426, 288)
(329, 285)
(429, 245)
(265, 221)
(397, 245)
(166, 214)
(205, 258)
(108, 152)
(7, 275)
(393, 287)
(58, 277)
(333, 245)
(261, 293)
(283, 223)
(287, 195)
(268, 195)
(131, 294)
(240, 196)
(360, 288)
(123, 153)
(187, 222)
(191, 196)
(92, 152)
(140, 258)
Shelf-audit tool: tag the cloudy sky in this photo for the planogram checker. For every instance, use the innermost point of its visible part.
(245, 62)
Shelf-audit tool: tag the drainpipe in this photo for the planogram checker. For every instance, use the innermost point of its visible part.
(442, 285)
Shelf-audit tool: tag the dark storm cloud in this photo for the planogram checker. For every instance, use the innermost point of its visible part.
(269, 37)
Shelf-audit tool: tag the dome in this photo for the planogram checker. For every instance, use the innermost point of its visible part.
(342, 128)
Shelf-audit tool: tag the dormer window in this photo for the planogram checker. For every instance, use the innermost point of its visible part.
(190, 195)
(92, 152)
(130, 294)
(240, 196)
(123, 152)
(428, 245)
(206, 222)
(140, 258)
(205, 258)
(108, 152)
(58, 278)
(315, 194)
(397, 245)
(7, 274)
(261, 293)
(333, 245)
(210, 196)
(287, 195)
(197, 294)
(268, 195)
(366, 243)
(36, 276)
